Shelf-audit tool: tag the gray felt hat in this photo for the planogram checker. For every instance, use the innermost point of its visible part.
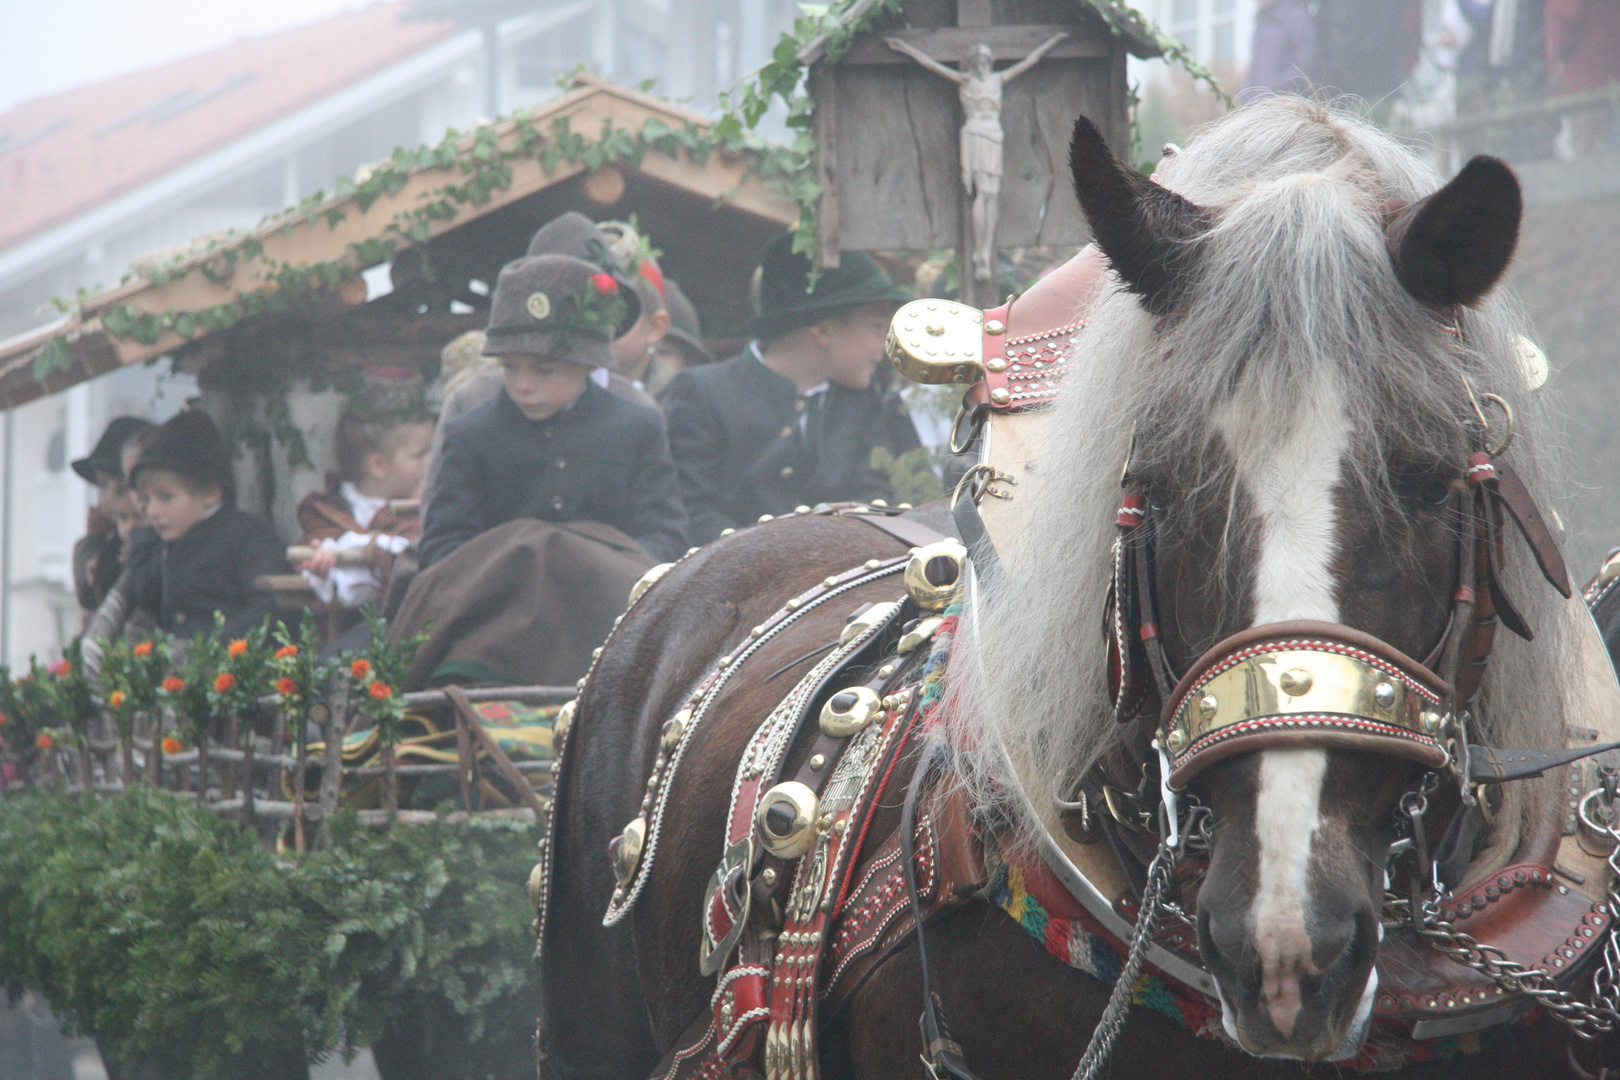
(558, 307)
(575, 234)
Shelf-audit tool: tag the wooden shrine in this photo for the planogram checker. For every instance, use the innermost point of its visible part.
(893, 113)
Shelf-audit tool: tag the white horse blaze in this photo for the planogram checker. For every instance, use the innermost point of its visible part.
(1291, 490)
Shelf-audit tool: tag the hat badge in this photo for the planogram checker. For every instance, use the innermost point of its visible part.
(539, 305)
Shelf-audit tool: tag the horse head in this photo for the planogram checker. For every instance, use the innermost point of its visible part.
(1295, 354)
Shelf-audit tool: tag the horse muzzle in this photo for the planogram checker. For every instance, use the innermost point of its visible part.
(1303, 684)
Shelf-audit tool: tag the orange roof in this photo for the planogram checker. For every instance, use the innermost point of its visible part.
(64, 154)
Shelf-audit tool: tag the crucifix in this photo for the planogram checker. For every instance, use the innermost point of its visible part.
(979, 87)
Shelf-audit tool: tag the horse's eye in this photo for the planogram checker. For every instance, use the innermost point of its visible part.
(1422, 488)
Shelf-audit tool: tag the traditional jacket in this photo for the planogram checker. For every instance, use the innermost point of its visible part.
(181, 583)
(327, 515)
(747, 443)
(601, 459)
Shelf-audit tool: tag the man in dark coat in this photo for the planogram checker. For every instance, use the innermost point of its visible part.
(793, 420)
(553, 445)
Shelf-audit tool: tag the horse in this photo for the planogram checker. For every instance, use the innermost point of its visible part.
(1288, 359)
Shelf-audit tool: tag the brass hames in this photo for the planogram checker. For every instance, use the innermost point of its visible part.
(786, 819)
(937, 341)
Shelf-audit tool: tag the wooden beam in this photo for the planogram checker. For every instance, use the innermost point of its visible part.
(954, 44)
(974, 13)
(825, 119)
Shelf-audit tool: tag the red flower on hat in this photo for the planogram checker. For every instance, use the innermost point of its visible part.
(605, 284)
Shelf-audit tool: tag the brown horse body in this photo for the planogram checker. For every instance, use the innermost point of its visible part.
(616, 1000)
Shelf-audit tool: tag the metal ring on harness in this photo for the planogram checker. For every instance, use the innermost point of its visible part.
(977, 490)
(1512, 425)
(975, 418)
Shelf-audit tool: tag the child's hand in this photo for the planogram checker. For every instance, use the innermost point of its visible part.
(322, 562)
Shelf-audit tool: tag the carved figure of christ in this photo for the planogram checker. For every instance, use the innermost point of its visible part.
(979, 87)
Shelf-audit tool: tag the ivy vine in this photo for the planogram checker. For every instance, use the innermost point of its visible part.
(484, 158)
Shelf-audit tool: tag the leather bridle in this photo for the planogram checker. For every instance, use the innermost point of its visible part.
(1307, 684)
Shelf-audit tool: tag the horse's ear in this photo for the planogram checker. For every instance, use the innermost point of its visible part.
(1452, 247)
(1145, 230)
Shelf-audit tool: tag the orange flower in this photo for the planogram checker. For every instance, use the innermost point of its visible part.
(287, 686)
(3, 719)
(44, 742)
(238, 647)
(380, 691)
(360, 669)
(116, 699)
(224, 681)
(173, 684)
(286, 652)
(172, 745)
(61, 669)
(144, 649)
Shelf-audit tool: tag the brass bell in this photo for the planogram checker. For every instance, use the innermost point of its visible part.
(625, 850)
(786, 819)
(537, 884)
(674, 728)
(859, 624)
(848, 711)
(563, 721)
(647, 580)
(918, 634)
(933, 572)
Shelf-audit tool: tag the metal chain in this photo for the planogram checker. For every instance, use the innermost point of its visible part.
(1587, 1021)
(1119, 1000)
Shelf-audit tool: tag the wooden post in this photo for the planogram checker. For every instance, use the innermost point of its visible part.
(332, 763)
(390, 783)
(247, 772)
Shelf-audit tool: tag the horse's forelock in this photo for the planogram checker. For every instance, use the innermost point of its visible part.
(1296, 301)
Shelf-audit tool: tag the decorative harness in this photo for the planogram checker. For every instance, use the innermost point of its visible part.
(805, 902)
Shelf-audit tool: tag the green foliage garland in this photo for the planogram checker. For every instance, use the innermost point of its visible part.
(174, 939)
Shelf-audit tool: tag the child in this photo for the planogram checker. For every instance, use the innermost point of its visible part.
(98, 556)
(198, 553)
(554, 445)
(381, 457)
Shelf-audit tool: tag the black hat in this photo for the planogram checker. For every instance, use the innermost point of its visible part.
(190, 446)
(786, 302)
(107, 457)
(557, 307)
(683, 320)
(577, 235)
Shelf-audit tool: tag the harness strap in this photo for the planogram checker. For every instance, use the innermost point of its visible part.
(941, 1053)
(975, 537)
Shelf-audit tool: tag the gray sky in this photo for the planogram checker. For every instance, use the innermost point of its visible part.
(52, 45)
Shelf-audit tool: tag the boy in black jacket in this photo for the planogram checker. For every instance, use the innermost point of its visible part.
(198, 554)
(553, 445)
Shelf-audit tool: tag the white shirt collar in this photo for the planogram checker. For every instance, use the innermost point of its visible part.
(364, 507)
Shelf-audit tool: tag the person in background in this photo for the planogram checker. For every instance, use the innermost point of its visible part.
(477, 377)
(198, 554)
(682, 346)
(1583, 53)
(554, 445)
(98, 555)
(635, 352)
(1283, 53)
(382, 457)
(794, 419)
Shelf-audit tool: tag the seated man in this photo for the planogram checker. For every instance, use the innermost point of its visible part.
(198, 554)
(794, 419)
(553, 445)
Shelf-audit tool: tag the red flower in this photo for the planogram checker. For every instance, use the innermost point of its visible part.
(173, 685)
(381, 691)
(287, 686)
(144, 649)
(224, 681)
(61, 668)
(605, 284)
(238, 647)
(116, 699)
(44, 742)
(3, 719)
(360, 669)
(286, 652)
(172, 745)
